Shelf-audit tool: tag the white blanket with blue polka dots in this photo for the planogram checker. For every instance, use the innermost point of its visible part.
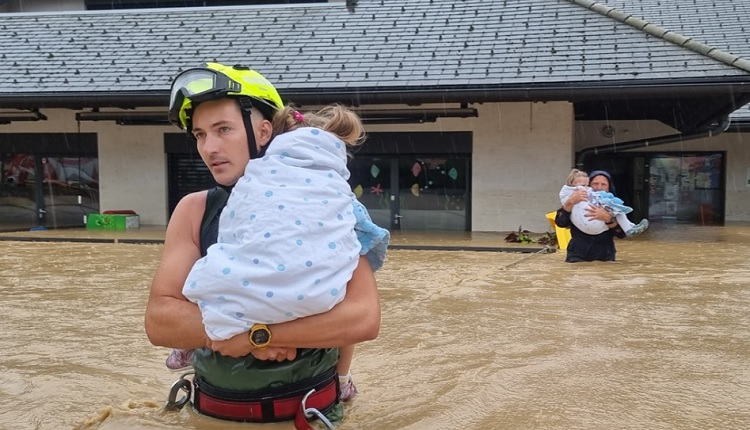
(290, 237)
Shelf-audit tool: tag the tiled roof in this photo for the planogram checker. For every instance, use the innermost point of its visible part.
(380, 46)
(724, 25)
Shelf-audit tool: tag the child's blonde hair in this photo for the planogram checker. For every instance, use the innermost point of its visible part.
(337, 119)
(575, 173)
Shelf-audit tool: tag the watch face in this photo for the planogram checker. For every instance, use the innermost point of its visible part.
(260, 336)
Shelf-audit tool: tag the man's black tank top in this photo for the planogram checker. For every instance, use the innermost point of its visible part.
(215, 202)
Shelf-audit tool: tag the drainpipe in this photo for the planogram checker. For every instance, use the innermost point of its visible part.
(714, 130)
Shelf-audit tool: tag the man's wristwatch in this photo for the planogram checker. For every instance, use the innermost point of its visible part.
(260, 336)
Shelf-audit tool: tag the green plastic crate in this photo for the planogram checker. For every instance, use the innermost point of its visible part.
(112, 222)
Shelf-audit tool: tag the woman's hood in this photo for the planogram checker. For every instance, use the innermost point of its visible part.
(606, 175)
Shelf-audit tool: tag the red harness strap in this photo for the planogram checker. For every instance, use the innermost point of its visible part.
(300, 419)
(267, 410)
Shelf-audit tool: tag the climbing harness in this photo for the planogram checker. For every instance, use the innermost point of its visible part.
(312, 412)
(182, 384)
(301, 402)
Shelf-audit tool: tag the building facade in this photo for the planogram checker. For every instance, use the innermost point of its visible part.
(473, 122)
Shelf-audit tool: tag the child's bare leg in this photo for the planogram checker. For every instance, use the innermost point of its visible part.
(343, 368)
(346, 355)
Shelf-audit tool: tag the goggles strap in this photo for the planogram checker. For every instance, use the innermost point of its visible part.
(246, 105)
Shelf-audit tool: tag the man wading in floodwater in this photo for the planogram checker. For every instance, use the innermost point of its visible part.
(283, 362)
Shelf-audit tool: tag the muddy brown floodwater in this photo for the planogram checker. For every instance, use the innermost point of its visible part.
(469, 340)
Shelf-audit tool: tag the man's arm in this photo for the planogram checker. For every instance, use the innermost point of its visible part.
(171, 320)
(602, 214)
(562, 218)
(576, 197)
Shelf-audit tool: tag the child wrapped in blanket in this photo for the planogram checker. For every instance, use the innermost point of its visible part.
(578, 179)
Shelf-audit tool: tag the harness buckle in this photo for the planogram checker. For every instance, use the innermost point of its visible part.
(313, 412)
(183, 384)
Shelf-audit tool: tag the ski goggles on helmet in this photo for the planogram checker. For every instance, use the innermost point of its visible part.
(194, 86)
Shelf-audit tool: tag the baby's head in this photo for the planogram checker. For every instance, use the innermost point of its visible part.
(578, 178)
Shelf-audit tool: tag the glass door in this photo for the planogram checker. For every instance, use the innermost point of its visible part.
(18, 197)
(687, 188)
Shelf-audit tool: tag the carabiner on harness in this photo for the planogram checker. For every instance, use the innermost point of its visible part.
(183, 384)
(313, 412)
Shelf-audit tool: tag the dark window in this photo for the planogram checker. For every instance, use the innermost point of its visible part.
(186, 171)
(48, 180)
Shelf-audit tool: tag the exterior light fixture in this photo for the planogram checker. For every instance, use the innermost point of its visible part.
(608, 131)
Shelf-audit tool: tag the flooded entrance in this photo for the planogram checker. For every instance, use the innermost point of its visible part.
(469, 340)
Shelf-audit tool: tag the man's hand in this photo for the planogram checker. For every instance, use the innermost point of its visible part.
(236, 346)
(239, 346)
(275, 353)
(576, 197)
(598, 212)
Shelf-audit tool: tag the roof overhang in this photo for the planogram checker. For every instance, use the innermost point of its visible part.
(683, 105)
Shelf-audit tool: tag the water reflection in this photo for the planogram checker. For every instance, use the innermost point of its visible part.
(470, 340)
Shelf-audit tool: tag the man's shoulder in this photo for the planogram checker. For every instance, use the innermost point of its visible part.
(184, 223)
(198, 197)
(192, 205)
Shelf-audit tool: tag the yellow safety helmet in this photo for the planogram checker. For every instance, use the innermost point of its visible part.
(214, 81)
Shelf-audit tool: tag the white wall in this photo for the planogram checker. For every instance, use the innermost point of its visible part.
(133, 170)
(738, 175)
(522, 155)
